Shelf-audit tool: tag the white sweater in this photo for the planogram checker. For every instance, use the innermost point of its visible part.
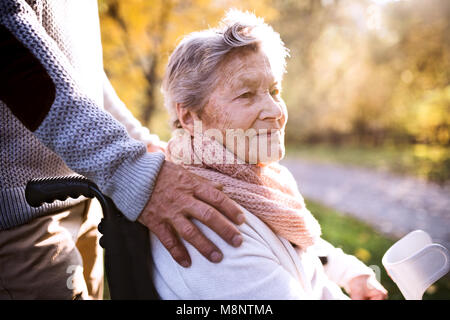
(265, 267)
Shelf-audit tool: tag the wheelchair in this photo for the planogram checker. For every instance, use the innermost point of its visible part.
(126, 244)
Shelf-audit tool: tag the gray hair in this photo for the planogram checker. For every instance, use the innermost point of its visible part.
(190, 76)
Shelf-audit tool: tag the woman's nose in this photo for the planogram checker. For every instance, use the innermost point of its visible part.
(271, 109)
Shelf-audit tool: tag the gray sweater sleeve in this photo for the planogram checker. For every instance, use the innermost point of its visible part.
(89, 140)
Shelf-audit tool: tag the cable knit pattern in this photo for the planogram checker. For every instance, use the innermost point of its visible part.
(76, 133)
(269, 192)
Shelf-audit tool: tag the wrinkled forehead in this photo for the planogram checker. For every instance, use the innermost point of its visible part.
(245, 66)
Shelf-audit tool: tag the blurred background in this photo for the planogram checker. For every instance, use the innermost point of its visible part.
(368, 95)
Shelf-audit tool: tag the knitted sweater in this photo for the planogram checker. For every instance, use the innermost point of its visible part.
(52, 87)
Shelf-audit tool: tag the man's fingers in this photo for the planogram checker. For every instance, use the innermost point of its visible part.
(189, 232)
(172, 243)
(217, 185)
(214, 184)
(214, 220)
(221, 202)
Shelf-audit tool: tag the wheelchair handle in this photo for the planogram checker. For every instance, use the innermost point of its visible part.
(47, 190)
(38, 191)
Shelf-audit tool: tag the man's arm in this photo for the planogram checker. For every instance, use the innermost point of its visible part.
(38, 84)
(114, 105)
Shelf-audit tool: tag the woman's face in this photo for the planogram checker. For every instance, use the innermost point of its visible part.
(248, 98)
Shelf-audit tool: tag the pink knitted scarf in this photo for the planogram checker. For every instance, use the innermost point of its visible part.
(269, 192)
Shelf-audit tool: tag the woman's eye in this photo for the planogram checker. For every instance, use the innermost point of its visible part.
(246, 95)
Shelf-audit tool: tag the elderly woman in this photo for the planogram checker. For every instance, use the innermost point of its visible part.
(222, 88)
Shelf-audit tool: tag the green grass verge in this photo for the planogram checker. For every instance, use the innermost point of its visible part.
(361, 240)
(423, 161)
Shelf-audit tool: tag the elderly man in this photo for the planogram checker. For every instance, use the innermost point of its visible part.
(52, 88)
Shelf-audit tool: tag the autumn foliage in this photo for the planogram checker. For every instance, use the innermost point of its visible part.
(368, 72)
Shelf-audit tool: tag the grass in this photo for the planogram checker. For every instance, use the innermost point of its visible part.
(423, 161)
(361, 240)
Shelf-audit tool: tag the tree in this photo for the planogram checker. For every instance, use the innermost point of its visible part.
(364, 72)
(138, 37)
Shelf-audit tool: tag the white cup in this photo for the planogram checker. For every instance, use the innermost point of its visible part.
(415, 262)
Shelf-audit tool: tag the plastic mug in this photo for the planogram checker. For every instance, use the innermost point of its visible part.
(415, 262)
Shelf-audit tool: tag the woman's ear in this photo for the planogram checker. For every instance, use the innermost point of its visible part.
(186, 118)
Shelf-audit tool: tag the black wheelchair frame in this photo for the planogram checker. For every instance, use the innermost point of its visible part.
(128, 262)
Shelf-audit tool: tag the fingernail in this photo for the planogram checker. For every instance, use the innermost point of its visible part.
(237, 240)
(241, 219)
(216, 256)
(185, 263)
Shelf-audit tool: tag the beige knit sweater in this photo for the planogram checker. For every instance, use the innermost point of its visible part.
(77, 135)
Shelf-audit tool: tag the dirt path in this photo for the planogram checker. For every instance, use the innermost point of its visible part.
(392, 204)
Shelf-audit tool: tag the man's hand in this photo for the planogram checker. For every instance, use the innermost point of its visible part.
(366, 287)
(179, 195)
